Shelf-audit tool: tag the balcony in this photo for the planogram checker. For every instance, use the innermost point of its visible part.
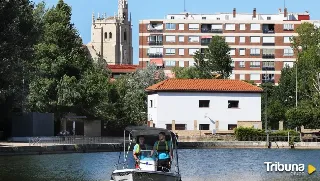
(268, 80)
(155, 42)
(268, 68)
(268, 56)
(268, 28)
(156, 27)
(211, 28)
(205, 41)
(202, 50)
(155, 55)
(268, 44)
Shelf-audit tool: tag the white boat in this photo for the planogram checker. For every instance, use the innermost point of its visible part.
(148, 168)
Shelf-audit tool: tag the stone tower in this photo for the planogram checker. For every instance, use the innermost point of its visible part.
(111, 37)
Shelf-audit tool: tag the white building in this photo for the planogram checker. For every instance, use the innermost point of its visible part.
(204, 104)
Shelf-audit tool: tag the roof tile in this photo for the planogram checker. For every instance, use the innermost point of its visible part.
(206, 85)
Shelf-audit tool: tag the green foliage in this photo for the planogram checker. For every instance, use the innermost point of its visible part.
(215, 62)
(251, 134)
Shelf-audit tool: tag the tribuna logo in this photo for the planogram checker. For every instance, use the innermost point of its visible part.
(279, 167)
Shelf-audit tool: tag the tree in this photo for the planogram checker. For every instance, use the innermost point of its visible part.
(187, 72)
(132, 102)
(60, 62)
(216, 59)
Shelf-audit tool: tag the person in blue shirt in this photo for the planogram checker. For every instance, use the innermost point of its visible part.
(137, 154)
(164, 152)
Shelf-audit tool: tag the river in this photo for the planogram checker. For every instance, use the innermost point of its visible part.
(195, 165)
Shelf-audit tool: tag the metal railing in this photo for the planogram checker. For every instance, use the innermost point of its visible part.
(243, 138)
(72, 140)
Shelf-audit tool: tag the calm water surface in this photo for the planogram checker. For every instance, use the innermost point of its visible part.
(195, 165)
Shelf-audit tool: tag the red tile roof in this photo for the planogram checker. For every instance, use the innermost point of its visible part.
(204, 85)
(122, 68)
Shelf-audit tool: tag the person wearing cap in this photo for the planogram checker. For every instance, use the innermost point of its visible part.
(164, 152)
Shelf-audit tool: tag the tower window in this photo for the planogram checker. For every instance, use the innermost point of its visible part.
(110, 35)
(105, 35)
(124, 15)
(125, 36)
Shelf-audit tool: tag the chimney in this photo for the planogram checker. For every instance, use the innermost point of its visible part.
(234, 12)
(254, 13)
(285, 12)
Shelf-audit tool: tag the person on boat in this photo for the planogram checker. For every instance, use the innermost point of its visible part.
(164, 153)
(137, 154)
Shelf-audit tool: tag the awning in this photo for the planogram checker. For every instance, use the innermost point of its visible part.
(206, 37)
(157, 61)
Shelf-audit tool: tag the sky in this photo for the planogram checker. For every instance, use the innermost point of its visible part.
(157, 9)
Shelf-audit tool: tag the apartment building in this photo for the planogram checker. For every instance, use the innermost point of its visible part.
(260, 43)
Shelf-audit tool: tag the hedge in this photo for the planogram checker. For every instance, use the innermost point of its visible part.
(252, 134)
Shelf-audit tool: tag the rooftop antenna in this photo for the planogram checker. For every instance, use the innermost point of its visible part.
(284, 4)
(184, 6)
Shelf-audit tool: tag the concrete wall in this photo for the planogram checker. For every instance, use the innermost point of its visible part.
(92, 128)
(184, 108)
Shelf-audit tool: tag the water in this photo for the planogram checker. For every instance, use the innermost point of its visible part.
(195, 165)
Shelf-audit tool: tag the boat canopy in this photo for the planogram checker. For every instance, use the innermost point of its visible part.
(148, 131)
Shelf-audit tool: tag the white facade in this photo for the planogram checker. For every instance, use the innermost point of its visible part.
(183, 107)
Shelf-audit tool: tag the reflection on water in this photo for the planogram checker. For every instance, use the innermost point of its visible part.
(199, 165)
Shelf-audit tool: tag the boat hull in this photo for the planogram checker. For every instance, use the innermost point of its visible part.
(138, 175)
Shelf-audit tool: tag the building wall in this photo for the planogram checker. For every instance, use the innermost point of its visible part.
(246, 66)
(183, 108)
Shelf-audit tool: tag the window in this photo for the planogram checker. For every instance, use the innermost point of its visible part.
(170, 26)
(124, 36)
(218, 18)
(242, 26)
(181, 38)
(192, 51)
(151, 103)
(242, 76)
(181, 126)
(230, 39)
(105, 35)
(232, 126)
(181, 51)
(268, 51)
(288, 52)
(194, 38)
(255, 39)
(170, 38)
(233, 104)
(242, 51)
(268, 64)
(204, 126)
(230, 27)
(242, 39)
(268, 18)
(268, 39)
(227, 17)
(193, 26)
(242, 64)
(254, 51)
(267, 78)
(170, 63)
(255, 27)
(254, 64)
(232, 51)
(232, 64)
(204, 17)
(288, 26)
(169, 126)
(289, 64)
(286, 39)
(170, 51)
(181, 26)
(191, 63)
(181, 63)
(254, 76)
(155, 51)
(172, 17)
(216, 27)
(204, 103)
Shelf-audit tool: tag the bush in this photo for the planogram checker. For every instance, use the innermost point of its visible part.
(252, 134)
